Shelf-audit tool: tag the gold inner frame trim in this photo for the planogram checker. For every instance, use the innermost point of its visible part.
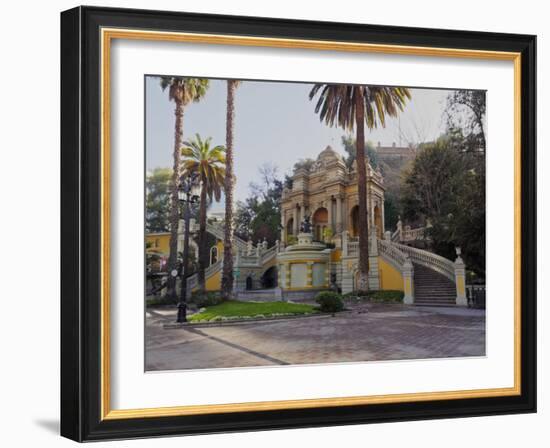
(107, 35)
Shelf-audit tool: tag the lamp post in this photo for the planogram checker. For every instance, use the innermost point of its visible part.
(187, 195)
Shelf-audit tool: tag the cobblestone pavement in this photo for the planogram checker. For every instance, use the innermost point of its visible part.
(366, 333)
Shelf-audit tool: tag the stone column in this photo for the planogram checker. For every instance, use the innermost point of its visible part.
(348, 270)
(295, 221)
(287, 275)
(460, 280)
(329, 210)
(283, 226)
(373, 276)
(339, 214)
(309, 274)
(345, 243)
(399, 226)
(408, 284)
(327, 274)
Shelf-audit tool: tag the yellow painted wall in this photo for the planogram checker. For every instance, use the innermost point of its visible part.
(390, 278)
(219, 245)
(160, 242)
(336, 255)
(214, 282)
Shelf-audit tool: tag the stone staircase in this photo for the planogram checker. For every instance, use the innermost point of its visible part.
(432, 288)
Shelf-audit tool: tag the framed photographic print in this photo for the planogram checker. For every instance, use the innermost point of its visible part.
(272, 223)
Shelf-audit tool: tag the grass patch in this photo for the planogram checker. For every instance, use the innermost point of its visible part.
(234, 309)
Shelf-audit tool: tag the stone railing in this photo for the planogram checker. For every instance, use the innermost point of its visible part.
(269, 253)
(413, 234)
(430, 260)
(390, 252)
(193, 281)
(350, 245)
(353, 248)
(396, 236)
(218, 231)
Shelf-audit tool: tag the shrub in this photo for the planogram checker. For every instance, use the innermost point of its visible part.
(204, 299)
(330, 302)
(160, 301)
(390, 296)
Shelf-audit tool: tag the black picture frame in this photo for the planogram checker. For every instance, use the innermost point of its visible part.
(81, 224)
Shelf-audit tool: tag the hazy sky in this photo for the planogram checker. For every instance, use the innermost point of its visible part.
(274, 122)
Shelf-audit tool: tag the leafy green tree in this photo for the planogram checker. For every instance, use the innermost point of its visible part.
(303, 164)
(348, 142)
(209, 164)
(258, 217)
(466, 110)
(353, 106)
(181, 91)
(157, 200)
(391, 210)
(447, 187)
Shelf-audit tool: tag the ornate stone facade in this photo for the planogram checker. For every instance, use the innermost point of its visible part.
(328, 193)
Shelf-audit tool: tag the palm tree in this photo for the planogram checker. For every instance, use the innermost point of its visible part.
(209, 164)
(354, 105)
(181, 91)
(227, 274)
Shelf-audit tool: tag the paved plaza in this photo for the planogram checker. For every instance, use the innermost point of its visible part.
(365, 333)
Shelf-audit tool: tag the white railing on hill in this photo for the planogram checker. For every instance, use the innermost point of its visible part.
(406, 234)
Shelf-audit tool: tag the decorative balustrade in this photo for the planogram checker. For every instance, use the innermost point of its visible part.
(269, 254)
(396, 236)
(353, 248)
(193, 281)
(406, 234)
(218, 231)
(392, 253)
(413, 234)
(430, 260)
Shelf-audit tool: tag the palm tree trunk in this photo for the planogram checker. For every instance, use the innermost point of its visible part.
(174, 203)
(203, 240)
(362, 191)
(227, 275)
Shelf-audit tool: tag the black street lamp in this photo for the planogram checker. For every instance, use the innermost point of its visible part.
(187, 195)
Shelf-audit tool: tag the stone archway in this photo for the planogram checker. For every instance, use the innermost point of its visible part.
(354, 221)
(320, 223)
(289, 228)
(213, 255)
(269, 278)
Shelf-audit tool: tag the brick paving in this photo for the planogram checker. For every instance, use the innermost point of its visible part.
(370, 332)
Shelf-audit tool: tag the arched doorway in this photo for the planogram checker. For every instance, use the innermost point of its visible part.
(249, 283)
(354, 221)
(289, 228)
(269, 278)
(213, 255)
(320, 223)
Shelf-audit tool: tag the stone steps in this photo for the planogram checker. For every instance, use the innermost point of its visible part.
(432, 288)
